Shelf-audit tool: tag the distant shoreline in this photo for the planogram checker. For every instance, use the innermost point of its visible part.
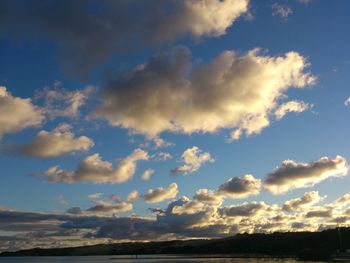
(303, 245)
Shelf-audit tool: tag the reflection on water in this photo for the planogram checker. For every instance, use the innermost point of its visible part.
(140, 259)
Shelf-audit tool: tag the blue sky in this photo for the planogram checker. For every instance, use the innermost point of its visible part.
(38, 54)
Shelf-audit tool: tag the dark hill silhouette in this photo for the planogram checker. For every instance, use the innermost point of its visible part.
(291, 244)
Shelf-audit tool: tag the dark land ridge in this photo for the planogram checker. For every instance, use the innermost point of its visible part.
(308, 245)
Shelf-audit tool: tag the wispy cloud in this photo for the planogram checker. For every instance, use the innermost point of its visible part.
(58, 102)
(193, 159)
(281, 10)
(291, 106)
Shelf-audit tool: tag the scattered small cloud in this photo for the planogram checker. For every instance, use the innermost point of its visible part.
(305, 2)
(281, 10)
(95, 195)
(162, 156)
(347, 102)
(61, 200)
(133, 196)
(193, 159)
(58, 102)
(291, 106)
(147, 174)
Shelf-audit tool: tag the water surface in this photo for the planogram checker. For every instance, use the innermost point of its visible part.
(141, 259)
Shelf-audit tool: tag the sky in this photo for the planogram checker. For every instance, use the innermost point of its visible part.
(158, 120)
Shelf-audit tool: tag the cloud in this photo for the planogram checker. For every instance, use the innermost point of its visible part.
(94, 169)
(342, 201)
(291, 175)
(89, 32)
(193, 159)
(95, 195)
(203, 216)
(61, 200)
(234, 91)
(204, 201)
(59, 102)
(291, 106)
(347, 102)
(208, 197)
(245, 209)
(162, 156)
(161, 194)
(58, 142)
(305, 2)
(319, 213)
(107, 208)
(240, 187)
(307, 200)
(147, 174)
(133, 196)
(281, 10)
(17, 113)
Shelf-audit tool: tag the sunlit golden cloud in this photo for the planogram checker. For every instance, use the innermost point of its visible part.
(94, 169)
(234, 91)
(17, 113)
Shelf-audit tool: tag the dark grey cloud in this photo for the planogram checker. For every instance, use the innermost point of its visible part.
(88, 32)
(203, 217)
(290, 174)
(246, 209)
(240, 187)
(101, 207)
(319, 213)
(307, 200)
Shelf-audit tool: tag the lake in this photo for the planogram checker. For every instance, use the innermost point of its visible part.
(141, 259)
